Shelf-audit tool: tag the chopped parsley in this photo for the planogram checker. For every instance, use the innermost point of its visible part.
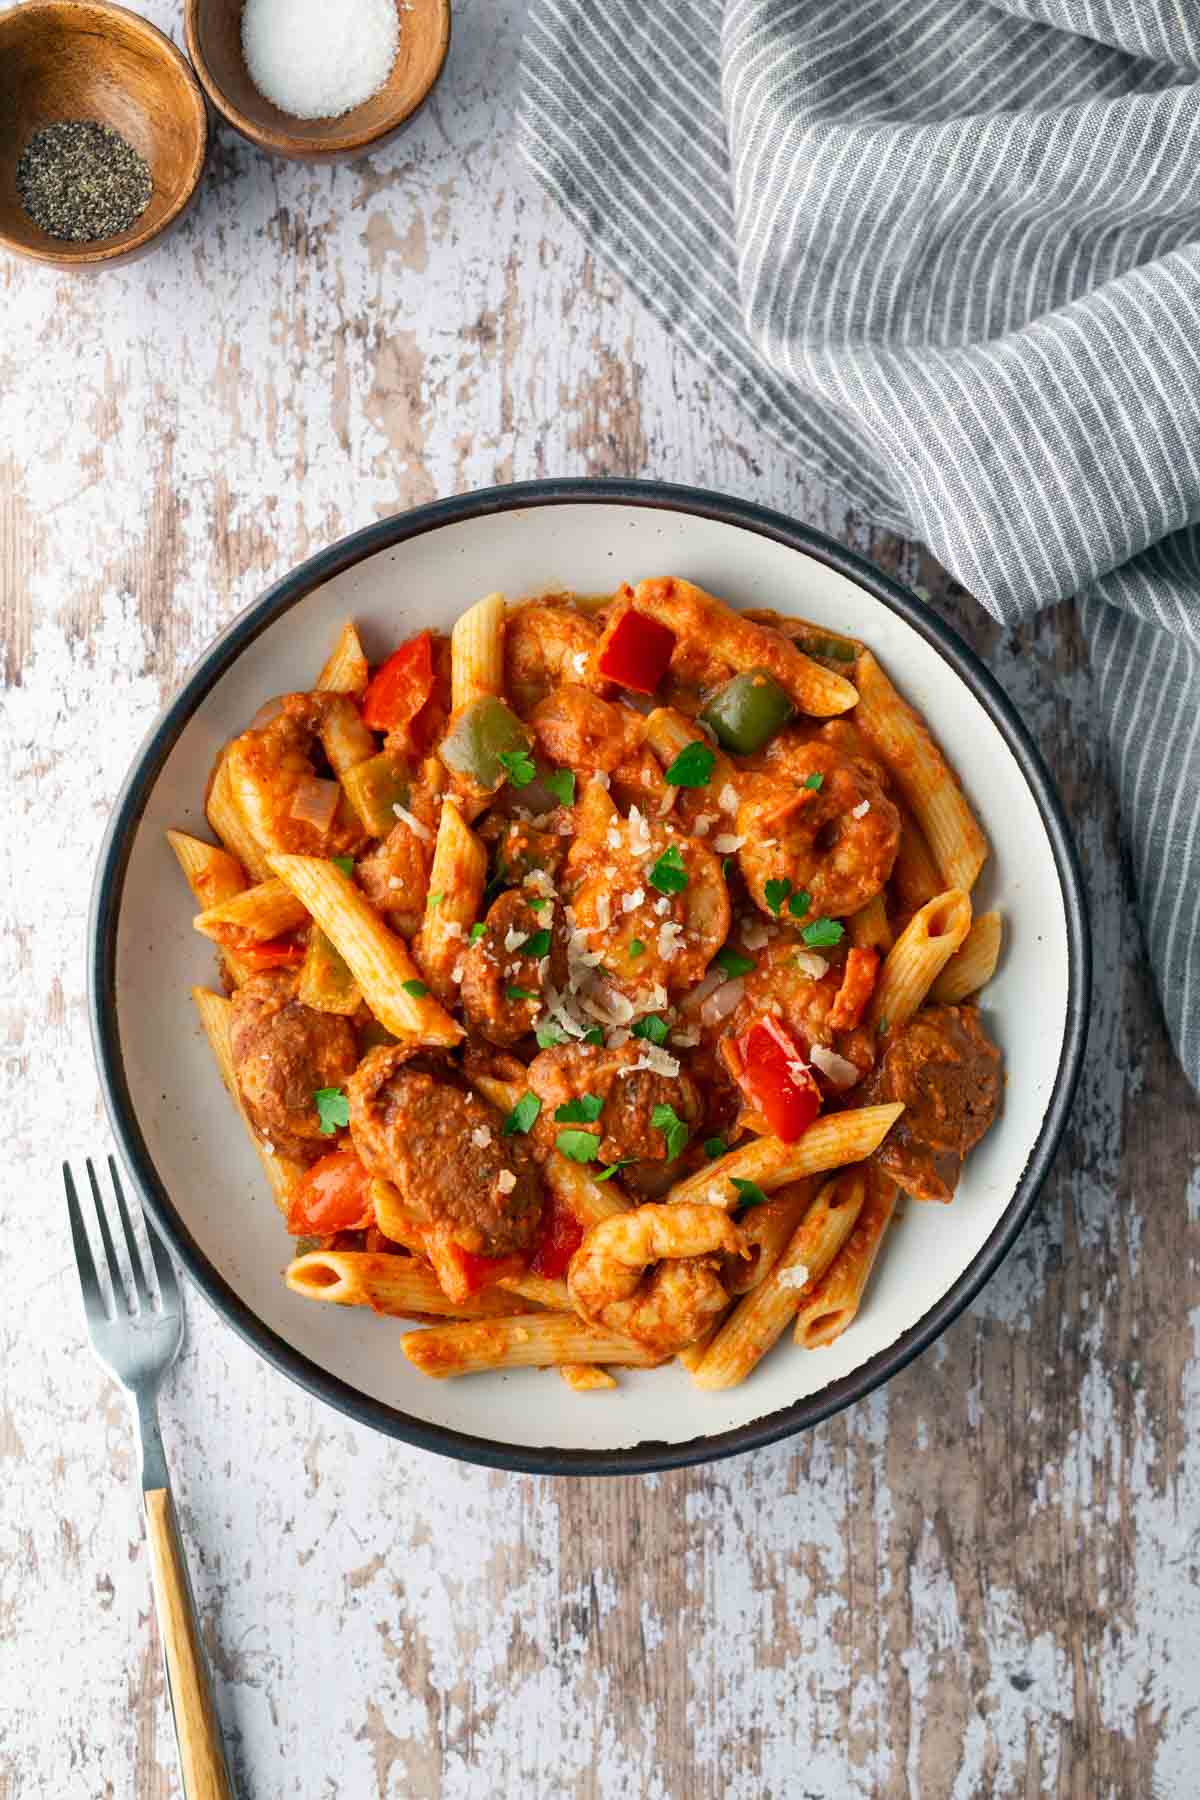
(435, 900)
(520, 993)
(714, 1147)
(584, 1111)
(693, 767)
(550, 1034)
(777, 892)
(732, 961)
(726, 867)
(593, 1036)
(537, 945)
(518, 765)
(799, 903)
(561, 783)
(417, 989)
(823, 932)
(606, 1174)
(651, 1027)
(333, 1109)
(477, 931)
(537, 903)
(814, 782)
(748, 1192)
(522, 1115)
(345, 864)
(668, 874)
(580, 1146)
(673, 1128)
(636, 948)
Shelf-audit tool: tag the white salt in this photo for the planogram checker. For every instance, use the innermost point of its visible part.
(317, 61)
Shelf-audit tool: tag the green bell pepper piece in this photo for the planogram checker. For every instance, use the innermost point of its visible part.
(483, 733)
(747, 711)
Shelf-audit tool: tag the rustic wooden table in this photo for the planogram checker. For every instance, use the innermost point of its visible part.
(985, 1580)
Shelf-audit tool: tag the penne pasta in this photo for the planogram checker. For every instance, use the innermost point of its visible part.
(915, 878)
(215, 1012)
(706, 622)
(831, 1304)
(973, 963)
(692, 1355)
(542, 1290)
(401, 1286)
(767, 1229)
(529, 1341)
(391, 1218)
(868, 929)
(226, 818)
(923, 774)
(377, 958)
(760, 1319)
(346, 671)
(456, 883)
(831, 1141)
(586, 1378)
(212, 873)
(917, 957)
(477, 652)
(255, 915)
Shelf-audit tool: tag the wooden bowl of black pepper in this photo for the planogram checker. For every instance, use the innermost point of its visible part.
(103, 133)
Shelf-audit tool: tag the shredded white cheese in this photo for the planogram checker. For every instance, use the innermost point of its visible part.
(414, 824)
(394, 882)
(685, 1039)
(662, 907)
(702, 824)
(670, 937)
(861, 810)
(754, 934)
(481, 1136)
(458, 971)
(603, 912)
(506, 1181)
(795, 1277)
(727, 843)
(810, 964)
(727, 799)
(514, 936)
(604, 780)
(843, 1074)
(639, 833)
(579, 662)
(631, 902)
(451, 928)
(540, 882)
(657, 1060)
(614, 838)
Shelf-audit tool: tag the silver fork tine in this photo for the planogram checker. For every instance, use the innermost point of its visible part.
(138, 1268)
(116, 1281)
(89, 1280)
(168, 1287)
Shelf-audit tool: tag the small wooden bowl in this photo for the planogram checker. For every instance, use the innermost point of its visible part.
(83, 59)
(214, 39)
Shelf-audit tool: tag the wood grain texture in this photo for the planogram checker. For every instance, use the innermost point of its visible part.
(197, 1728)
(983, 1581)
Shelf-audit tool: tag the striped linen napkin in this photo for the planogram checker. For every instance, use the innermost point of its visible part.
(950, 253)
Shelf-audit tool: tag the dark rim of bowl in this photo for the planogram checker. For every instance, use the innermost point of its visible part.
(102, 958)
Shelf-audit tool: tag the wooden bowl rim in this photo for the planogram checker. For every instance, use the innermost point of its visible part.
(94, 255)
(284, 143)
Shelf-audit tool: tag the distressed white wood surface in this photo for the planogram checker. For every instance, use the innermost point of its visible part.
(986, 1580)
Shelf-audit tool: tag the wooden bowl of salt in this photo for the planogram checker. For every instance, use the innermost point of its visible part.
(321, 80)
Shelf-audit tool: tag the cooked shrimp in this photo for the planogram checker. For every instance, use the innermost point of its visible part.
(821, 823)
(804, 987)
(287, 806)
(545, 643)
(653, 1274)
(580, 731)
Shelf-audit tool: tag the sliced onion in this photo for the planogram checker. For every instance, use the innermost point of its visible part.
(835, 1068)
(267, 714)
(722, 1002)
(315, 802)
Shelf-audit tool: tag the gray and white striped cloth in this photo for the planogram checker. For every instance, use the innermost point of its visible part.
(949, 252)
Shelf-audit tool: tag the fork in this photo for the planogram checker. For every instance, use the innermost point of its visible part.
(137, 1345)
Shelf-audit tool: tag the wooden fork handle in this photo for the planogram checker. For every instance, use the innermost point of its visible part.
(201, 1755)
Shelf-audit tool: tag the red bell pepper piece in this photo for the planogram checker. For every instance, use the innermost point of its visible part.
(776, 1080)
(333, 1195)
(275, 953)
(462, 1273)
(400, 686)
(635, 651)
(559, 1237)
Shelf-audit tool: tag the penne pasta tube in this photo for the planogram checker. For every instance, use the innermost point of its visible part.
(923, 774)
(477, 652)
(588, 1199)
(692, 1355)
(832, 1303)
(973, 963)
(346, 671)
(760, 1319)
(377, 958)
(401, 1286)
(915, 877)
(256, 914)
(392, 1219)
(586, 1378)
(227, 820)
(917, 958)
(766, 1230)
(869, 929)
(830, 1142)
(456, 883)
(531, 1340)
(215, 1014)
(709, 623)
(543, 1290)
(212, 873)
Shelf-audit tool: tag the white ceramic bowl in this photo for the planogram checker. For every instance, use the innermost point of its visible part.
(199, 1175)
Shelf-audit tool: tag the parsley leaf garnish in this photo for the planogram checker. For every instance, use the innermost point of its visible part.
(733, 962)
(606, 1174)
(749, 1193)
(417, 989)
(550, 1034)
(823, 932)
(333, 1109)
(814, 782)
(522, 1115)
(799, 903)
(693, 767)
(726, 866)
(537, 903)
(651, 1027)
(561, 783)
(584, 1111)
(593, 1036)
(477, 931)
(435, 900)
(636, 948)
(673, 1128)
(537, 945)
(777, 892)
(518, 765)
(714, 1147)
(345, 864)
(580, 1146)
(520, 993)
(668, 874)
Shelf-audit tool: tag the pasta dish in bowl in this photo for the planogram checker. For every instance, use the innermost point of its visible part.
(598, 976)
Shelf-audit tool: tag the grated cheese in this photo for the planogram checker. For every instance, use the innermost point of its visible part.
(727, 799)
(631, 902)
(614, 838)
(579, 662)
(843, 1074)
(414, 824)
(702, 824)
(657, 1060)
(662, 906)
(727, 843)
(685, 1039)
(754, 934)
(451, 928)
(810, 964)
(795, 1277)
(394, 882)
(481, 1136)
(861, 810)
(506, 1181)
(670, 938)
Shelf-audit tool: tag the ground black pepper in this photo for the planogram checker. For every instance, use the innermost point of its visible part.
(79, 180)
